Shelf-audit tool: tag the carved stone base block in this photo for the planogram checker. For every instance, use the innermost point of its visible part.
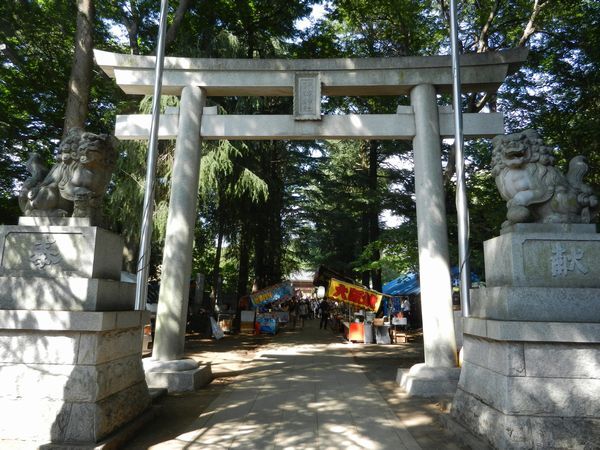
(60, 251)
(540, 391)
(60, 267)
(70, 347)
(506, 431)
(181, 375)
(423, 381)
(530, 376)
(540, 255)
(70, 377)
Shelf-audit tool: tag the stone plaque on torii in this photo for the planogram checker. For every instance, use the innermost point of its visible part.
(423, 122)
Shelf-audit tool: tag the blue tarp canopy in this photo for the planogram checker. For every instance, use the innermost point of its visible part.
(408, 283)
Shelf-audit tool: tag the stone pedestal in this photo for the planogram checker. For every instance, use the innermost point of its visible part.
(70, 345)
(531, 367)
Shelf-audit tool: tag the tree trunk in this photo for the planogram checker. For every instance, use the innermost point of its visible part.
(268, 235)
(244, 268)
(276, 208)
(260, 244)
(374, 237)
(275, 271)
(275, 238)
(364, 242)
(374, 210)
(132, 33)
(217, 264)
(81, 71)
(182, 8)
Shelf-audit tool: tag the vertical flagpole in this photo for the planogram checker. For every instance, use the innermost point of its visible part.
(461, 191)
(146, 231)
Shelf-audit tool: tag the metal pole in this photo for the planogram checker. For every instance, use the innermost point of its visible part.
(461, 191)
(141, 291)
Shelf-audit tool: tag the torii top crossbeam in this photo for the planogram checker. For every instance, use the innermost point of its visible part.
(340, 76)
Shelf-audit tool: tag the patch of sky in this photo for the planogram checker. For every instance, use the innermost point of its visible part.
(389, 219)
(118, 32)
(546, 85)
(317, 13)
(315, 152)
(577, 59)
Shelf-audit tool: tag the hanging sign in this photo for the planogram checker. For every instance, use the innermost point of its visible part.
(353, 294)
(272, 293)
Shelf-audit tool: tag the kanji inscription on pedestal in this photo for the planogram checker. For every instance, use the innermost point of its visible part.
(565, 260)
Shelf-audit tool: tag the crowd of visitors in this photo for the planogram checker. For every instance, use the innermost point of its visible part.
(301, 308)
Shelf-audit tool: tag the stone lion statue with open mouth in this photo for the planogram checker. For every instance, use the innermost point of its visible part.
(534, 190)
(76, 184)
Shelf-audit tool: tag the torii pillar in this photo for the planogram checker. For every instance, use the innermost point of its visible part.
(439, 374)
(166, 368)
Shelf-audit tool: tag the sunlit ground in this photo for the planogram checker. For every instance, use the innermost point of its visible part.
(307, 390)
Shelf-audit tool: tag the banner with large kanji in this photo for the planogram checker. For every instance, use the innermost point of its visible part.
(353, 294)
(272, 294)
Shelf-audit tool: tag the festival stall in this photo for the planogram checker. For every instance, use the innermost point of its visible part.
(268, 318)
(361, 324)
(407, 286)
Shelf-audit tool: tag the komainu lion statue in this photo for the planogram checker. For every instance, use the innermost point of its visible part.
(76, 184)
(534, 190)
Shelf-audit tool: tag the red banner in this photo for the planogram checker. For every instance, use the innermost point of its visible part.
(353, 294)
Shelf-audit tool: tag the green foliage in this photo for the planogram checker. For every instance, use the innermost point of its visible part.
(335, 196)
(126, 195)
(33, 83)
(400, 253)
(557, 93)
(34, 72)
(358, 28)
(222, 169)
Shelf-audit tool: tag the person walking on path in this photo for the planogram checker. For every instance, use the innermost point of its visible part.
(315, 307)
(302, 312)
(324, 312)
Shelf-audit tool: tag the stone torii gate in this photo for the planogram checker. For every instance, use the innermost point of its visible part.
(307, 81)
